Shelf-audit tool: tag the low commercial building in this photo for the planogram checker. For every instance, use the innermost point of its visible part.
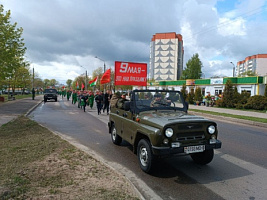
(215, 86)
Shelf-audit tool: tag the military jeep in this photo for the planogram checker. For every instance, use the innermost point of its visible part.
(50, 94)
(156, 124)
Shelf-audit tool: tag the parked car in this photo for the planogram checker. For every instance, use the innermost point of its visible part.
(156, 123)
(50, 94)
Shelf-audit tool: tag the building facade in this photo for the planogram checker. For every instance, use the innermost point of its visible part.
(255, 85)
(256, 64)
(166, 57)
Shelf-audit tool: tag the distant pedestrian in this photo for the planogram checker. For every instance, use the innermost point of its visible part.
(84, 100)
(74, 97)
(99, 102)
(33, 93)
(91, 99)
(107, 97)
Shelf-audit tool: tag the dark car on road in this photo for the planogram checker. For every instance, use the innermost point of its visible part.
(50, 94)
(156, 123)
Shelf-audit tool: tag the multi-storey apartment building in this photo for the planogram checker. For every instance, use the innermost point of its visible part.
(256, 64)
(166, 56)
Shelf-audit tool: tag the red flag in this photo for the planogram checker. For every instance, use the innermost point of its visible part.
(106, 77)
(82, 86)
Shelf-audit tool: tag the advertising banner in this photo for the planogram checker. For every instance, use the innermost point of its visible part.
(190, 81)
(129, 73)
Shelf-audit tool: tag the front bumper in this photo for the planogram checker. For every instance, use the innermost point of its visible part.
(163, 151)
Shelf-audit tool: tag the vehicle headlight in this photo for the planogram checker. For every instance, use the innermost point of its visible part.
(168, 132)
(211, 129)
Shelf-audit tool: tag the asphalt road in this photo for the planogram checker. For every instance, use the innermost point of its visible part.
(238, 171)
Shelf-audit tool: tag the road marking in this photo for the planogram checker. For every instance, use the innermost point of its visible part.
(230, 177)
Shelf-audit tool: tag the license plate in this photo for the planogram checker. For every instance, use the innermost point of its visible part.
(194, 149)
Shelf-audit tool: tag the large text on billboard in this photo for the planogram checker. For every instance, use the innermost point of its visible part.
(128, 73)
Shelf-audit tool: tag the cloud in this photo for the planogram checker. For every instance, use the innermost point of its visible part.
(62, 35)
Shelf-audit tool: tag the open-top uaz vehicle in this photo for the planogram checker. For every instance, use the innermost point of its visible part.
(156, 124)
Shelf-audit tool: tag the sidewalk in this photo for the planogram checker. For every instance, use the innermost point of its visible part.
(230, 111)
(12, 109)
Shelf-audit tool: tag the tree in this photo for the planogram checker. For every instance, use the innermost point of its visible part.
(53, 82)
(183, 91)
(12, 48)
(228, 94)
(46, 83)
(198, 95)
(80, 80)
(69, 82)
(23, 78)
(193, 68)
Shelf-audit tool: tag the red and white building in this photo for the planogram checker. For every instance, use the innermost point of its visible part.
(256, 64)
(166, 57)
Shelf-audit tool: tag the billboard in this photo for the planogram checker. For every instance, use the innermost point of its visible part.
(129, 73)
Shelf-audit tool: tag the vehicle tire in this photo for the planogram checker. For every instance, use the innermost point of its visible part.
(145, 155)
(55, 99)
(116, 139)
(203, 158)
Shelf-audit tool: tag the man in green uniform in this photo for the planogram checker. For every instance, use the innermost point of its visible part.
(120, 103)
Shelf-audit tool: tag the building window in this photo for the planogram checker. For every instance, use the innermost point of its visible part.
(203, 91)
(218, 92)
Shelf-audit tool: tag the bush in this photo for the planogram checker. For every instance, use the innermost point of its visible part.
(219, 103)
(198, 95)
(257, 102)
(244, 96)
(190, 97)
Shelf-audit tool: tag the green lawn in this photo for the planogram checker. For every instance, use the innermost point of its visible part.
(255, 119)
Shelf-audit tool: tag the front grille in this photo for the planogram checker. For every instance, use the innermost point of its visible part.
(189, 126)
(190, 138)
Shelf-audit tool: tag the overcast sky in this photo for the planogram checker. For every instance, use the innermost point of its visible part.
(63, 35)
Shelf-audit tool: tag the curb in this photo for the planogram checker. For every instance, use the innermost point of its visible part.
(32, 108)
(230, 119)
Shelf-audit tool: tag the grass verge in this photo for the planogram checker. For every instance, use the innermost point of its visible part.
(37, 164)
(255, 119)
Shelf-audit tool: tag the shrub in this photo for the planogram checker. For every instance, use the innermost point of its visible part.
(190, 97)
(219, 103)
(198, 95)
(228, 94)
(244, 96)
(257, 102)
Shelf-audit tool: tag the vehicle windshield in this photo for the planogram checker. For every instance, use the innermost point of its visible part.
(50, 91)
(158, 100)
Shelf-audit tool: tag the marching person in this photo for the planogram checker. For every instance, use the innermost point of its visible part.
(107, 97)
(91, 99)
(84, 100)
(99, 101)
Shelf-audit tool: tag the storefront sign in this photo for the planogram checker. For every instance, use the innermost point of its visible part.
(214, 81)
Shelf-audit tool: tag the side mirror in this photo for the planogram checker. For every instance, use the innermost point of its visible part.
(127, 105)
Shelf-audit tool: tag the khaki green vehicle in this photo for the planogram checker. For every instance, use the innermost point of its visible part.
(156, 124)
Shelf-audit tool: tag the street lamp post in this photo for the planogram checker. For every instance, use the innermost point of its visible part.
(233, 68)
(103, 61)
(202, 75)
(85, 77)
(104, 70)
